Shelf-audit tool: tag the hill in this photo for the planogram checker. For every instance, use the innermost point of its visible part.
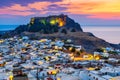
(50, 24)
(60, 26)
(86, 39)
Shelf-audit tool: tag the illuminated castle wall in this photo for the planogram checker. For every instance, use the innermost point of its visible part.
(60, 21)
(53, 20)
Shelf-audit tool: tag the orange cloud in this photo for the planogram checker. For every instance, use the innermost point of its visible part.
(82, 8)
(102, 9)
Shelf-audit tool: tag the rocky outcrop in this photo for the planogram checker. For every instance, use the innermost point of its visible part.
(50, 24)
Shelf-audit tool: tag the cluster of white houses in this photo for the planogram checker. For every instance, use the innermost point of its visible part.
(45, 60)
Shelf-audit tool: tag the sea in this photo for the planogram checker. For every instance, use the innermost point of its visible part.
(7, 27)
(109, 33)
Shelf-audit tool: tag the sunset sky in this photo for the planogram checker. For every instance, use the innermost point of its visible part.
(86, 12)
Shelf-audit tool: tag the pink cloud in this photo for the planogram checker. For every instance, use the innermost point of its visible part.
(23, 13)
(100, 9)
(39, 5)
(20, 10)
(111, 16)
(17, 7)
(18, 13)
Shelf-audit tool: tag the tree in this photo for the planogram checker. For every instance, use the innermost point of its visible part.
(82, 50)
(73, 30)
(112, 52)
(64, 31)
(99, 50)
(78, 54)
(56, 29)
(73, 49)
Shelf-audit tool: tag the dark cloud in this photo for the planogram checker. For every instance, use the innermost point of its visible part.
(22, 2)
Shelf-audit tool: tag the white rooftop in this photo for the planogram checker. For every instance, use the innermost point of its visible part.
(107, 77)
